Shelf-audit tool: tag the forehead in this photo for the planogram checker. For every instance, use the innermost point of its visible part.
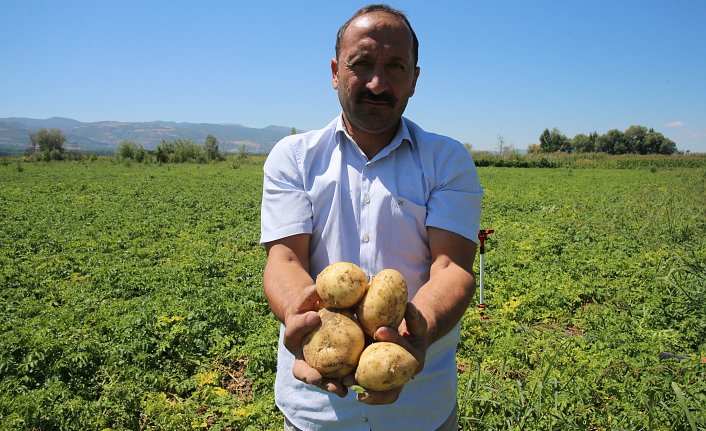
(377, 30)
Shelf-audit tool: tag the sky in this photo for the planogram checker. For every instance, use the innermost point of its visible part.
(490, 70)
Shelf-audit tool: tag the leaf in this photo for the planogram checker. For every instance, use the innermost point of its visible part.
(682, 402)
(357, 389)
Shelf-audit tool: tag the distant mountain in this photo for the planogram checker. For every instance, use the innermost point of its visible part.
(106, 136)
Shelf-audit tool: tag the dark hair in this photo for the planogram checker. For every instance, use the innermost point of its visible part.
(380, 8)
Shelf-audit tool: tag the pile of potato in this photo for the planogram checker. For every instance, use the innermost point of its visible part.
(351, 309)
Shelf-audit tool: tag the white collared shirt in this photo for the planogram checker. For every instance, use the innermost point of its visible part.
(373, 213)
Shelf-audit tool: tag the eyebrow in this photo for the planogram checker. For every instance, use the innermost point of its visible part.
(367, 54)
(359, 54)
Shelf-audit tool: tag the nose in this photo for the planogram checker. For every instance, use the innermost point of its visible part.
(377, 82)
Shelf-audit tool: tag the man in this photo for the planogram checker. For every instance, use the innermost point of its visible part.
(374, 189)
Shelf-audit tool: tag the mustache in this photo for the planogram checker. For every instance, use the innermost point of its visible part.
(382, 97)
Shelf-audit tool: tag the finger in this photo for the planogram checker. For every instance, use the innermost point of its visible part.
(302, 371)
(390, 335)
(415, 323)
(308, 299)
(334, 387)
(379, 398)
(349, 380)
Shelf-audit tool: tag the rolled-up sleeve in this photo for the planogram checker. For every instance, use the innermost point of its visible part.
(286, 207)
(455, 202)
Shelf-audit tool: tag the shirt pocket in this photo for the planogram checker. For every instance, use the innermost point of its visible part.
(409, 213)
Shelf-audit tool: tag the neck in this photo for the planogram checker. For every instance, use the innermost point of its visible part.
(369, 143)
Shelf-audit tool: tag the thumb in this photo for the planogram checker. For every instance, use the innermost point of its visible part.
(416, 323)
(297, 326)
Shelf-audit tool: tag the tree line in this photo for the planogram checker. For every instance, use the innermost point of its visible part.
(49, 144)
(634, 140)
(176, 151)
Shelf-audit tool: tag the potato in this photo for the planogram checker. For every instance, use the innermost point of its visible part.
(384, 303)
(384, 366)
(333, 348)
(341, 285)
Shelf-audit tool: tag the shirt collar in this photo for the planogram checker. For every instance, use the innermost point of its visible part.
(401, 136)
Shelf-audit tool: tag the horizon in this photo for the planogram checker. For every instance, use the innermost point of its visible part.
(61, 117)
(506, 70)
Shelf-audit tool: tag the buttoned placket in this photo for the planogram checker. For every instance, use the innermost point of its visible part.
(366, 228)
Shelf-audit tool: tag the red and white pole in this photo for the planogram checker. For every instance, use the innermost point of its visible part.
(482, 237)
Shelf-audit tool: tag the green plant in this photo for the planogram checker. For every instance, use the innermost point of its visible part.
(131, 299)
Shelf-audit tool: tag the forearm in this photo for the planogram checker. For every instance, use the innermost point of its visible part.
(445, 297)
(283, 284)
(286, 274)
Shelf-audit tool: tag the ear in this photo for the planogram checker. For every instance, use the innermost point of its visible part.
(417, 70)
(334, 73)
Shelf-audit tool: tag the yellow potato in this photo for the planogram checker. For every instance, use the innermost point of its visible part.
(341, 285)
(384, 303)
(333, 348)
(384, 366)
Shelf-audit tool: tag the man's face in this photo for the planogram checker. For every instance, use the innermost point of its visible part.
(374, 73)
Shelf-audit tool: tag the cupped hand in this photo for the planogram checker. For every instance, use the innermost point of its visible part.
(412, 335)
(301, 319)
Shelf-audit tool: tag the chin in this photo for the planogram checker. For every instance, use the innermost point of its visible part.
(375, 124)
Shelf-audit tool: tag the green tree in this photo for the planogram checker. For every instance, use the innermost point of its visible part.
(554, 140)
(141, 154)
(130, 150)
(210, 147)
(293, 131)
(593, 139)
(667, 146)
(164, 151)
(657, 143)
(180, 151)
(611, 142)
(636, 138)
(127, 149)
(50, 143)
(582, 143)
(545, 142)
(186, 150)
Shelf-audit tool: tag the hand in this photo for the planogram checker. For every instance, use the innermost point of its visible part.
(301, 319)
(412, 335)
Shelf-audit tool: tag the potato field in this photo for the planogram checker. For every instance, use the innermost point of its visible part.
(131, 299)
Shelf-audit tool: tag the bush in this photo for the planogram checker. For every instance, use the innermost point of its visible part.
(588, 160)
(130, 150)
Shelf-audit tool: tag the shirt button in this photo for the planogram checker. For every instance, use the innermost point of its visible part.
(366, 238)
(367, 199)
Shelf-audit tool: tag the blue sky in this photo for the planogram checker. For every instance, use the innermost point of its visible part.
(488, 69)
